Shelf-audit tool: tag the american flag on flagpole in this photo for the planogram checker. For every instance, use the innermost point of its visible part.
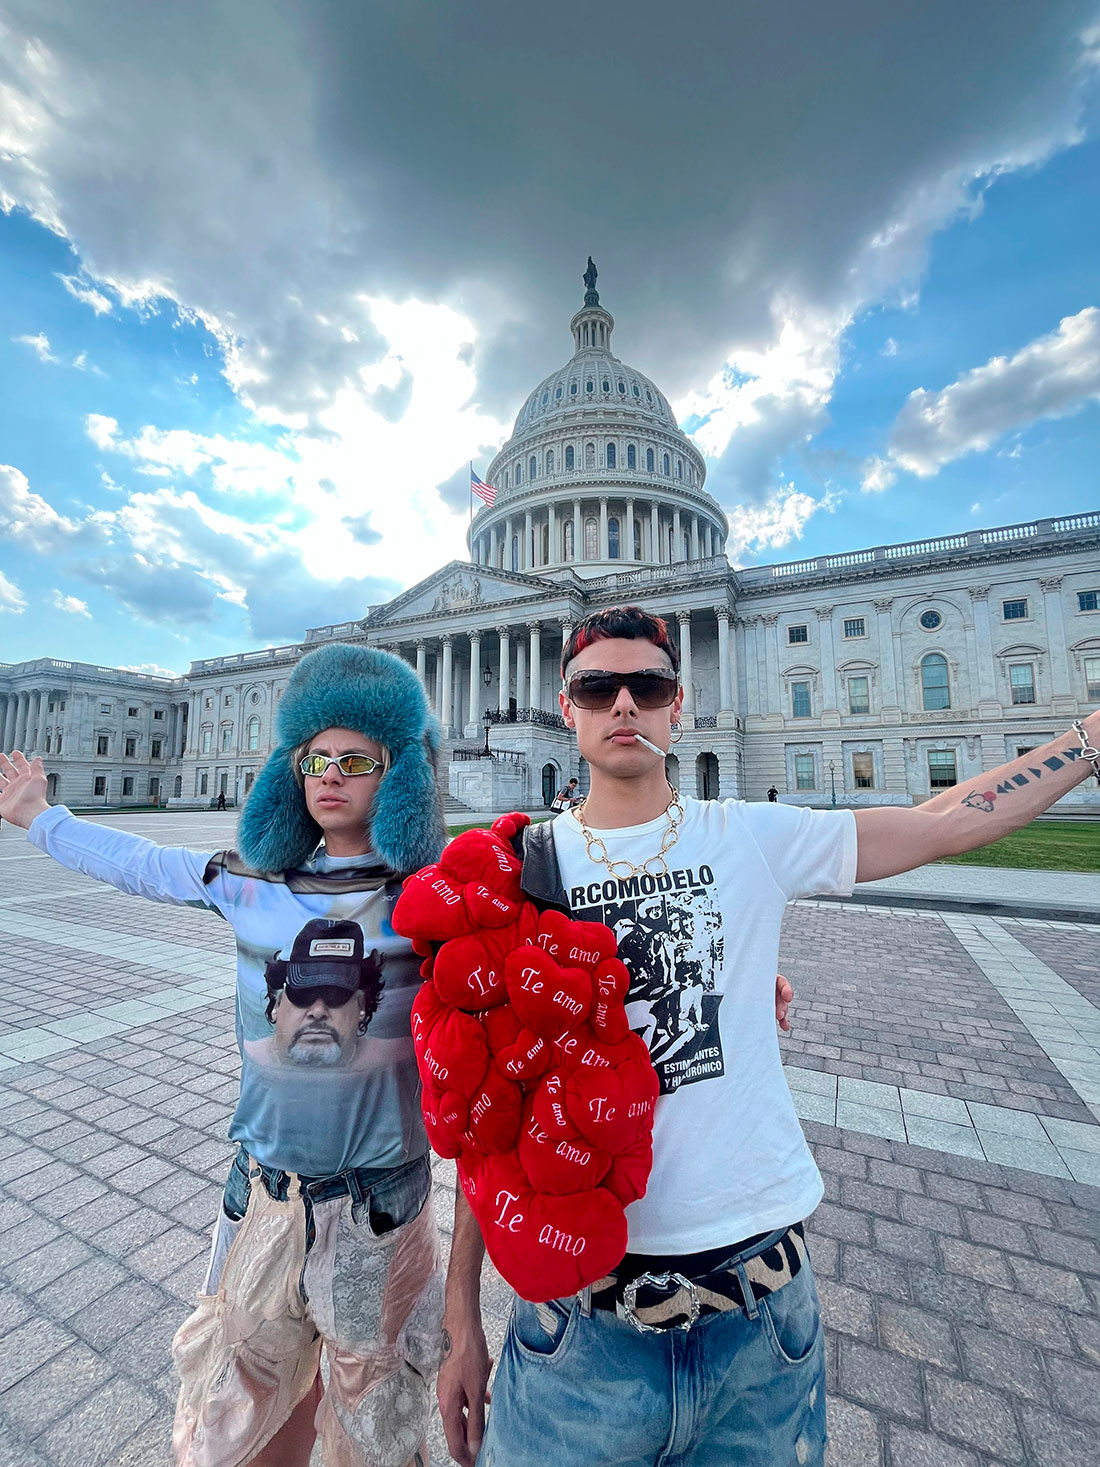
(484, 492)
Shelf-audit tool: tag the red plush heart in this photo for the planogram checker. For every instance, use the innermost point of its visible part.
(547, 1246)
(469, 974)
(546, 997)
(445, 1119)
(456, 1054)
(518, 1053)
(507, 827)
(496, 1109)
(606, 1110)
(477, 855)
(575, 944)
(431, 907)
(559, 1164)
(548, 1105)
(425, 1014)
(630, 1171)
(608, 1014)
(486, 908)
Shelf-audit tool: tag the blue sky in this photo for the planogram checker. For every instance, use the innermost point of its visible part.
(251, 331)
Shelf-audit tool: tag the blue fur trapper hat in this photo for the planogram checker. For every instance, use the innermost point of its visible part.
(381, 697)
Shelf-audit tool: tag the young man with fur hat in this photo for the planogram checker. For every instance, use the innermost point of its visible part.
(326, 1240)
(704, 1345)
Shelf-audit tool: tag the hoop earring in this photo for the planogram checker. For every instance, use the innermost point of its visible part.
(675, 733)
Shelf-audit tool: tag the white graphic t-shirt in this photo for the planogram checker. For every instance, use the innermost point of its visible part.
(702, 943)
(327, 1082)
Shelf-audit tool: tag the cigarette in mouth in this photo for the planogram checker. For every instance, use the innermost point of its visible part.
(653, 749)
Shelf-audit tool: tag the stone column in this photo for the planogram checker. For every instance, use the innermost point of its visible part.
(578, 537)
(20, 740)
(629, 531)
(605, 553)
(979, 596)
(828, 660)
(891, 693)
(505, 669)
(1051, 587)
(473, 712)
(7, 723)
(726, 654)
(688, 714)
(677, 538)
(695, 537)
(422, 661)
(771, 661)
(447, 690)
(521, 670)
(506, 562)
(527, 555)
(654, 533)
(494, 545)
(535, 629)
(553, 549)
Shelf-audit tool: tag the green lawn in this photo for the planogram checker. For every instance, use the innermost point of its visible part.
(1048, 845)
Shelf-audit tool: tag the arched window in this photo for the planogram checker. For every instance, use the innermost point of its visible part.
(613, 538)
(519, 472)
(557, 393)
(607, 384)
(649, 460)
(589, 386)
(572, 389)
(549, 460)
(687, 546)
(515, 552)
(253, 735)
(57, 746)
(532, 467)
(590, 455)
(567, 540)
(610, 455)
(637, 539)
(666, 466)
(671, 546)
(591, 539)
(47, 743)
(933, 680)
(631, 456)
(570, 457)
(507, 479)
(679, 468)
(586, 336)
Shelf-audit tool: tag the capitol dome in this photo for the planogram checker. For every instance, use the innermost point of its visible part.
(597, 470)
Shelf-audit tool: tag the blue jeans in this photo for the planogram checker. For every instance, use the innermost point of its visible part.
(594, 1392)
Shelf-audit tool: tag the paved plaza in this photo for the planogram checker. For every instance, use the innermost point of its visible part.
(947, 1070)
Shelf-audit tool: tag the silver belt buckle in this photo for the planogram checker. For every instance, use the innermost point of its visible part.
(660, 1281)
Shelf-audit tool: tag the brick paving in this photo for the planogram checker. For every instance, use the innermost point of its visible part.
(1068, 949)
(961, 1298)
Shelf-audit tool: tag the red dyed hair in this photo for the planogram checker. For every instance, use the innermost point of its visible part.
(629, 622)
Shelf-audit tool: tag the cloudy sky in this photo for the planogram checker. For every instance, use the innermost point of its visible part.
(273, 271)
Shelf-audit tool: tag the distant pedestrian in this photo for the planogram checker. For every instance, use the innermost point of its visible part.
(221, 799)
(566, 797)
(773, 796)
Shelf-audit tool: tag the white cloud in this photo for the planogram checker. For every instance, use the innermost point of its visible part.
(11, 597)
(71, 604)
(771, 525)
(40, 345)
(1052, 376)
(86, 293)
(889, 347)
(27, 520)
(154, 669)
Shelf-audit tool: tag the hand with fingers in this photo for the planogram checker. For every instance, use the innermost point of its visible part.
(22, 789)
(463, 1393)
(784, 993)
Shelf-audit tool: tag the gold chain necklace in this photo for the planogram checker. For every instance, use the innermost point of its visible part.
(596, 850)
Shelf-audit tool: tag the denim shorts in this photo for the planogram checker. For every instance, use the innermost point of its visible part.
(733, 1391)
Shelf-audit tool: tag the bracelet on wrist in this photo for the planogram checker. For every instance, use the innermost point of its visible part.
(1089, 751)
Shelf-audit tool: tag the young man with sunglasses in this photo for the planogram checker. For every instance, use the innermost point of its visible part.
(704, 1346)
(326, 1239)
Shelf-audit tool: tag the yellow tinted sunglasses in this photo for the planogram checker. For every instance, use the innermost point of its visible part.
(316, 764)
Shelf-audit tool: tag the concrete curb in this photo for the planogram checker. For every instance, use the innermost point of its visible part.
(980, 906)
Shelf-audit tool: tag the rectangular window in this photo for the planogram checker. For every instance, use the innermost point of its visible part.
(941, 769)
(154, 787)
(103, 744)
(207, 736)
(158, 713)
(204, 783)
(228, 700)
(130, 747)
(1022, 749)
(128, 785)
(208, 702)
(800, 700)
(863, 771)
(227, 739)
(157, 746)
(223, 784)
(99, 785)
(1021, 677)
(131, 712)
(855, 626)
(859, 697)
(1092, 679)
(105, 708)
(797, 634)
(1088, 601)
(804, 772)
(1014, 610)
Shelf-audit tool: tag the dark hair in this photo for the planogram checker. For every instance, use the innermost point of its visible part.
(629, 622)
(371, 984)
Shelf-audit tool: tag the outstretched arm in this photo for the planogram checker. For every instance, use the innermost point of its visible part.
(976, 812)
(464, 1371)
(128, 862)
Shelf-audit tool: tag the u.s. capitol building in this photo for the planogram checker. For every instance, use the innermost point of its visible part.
(877, 676)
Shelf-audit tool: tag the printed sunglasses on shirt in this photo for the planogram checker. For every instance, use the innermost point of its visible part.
(652, 687)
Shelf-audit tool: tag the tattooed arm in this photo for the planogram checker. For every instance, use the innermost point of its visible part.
(973, 813)
(464, 1369)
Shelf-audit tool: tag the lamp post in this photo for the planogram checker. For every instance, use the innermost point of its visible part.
(487, 718)
(832, 781)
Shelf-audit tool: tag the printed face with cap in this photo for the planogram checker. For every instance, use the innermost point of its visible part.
(322, 1006)
(341, 803)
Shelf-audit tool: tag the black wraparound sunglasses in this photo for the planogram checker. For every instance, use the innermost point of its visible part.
(652, 687)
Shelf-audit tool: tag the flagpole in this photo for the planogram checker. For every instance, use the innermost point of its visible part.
(471, 510)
